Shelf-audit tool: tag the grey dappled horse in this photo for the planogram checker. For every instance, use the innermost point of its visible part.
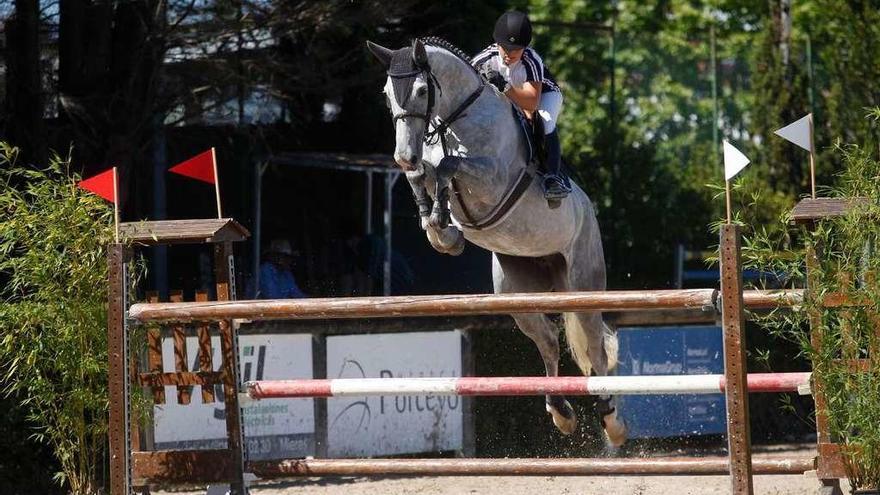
(474, 158)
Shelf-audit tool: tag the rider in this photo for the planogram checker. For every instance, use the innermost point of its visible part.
(517, 70)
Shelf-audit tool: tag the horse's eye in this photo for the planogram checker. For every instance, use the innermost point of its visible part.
(421, 92)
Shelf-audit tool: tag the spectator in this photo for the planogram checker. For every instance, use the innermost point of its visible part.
(276, 273)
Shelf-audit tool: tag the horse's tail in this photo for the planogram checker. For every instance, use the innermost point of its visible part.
(579, 344)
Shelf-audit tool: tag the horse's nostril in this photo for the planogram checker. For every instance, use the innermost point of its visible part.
(413, 160)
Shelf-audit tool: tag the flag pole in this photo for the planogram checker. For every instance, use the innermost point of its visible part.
(727, 195)
(116, 203)
(812, 159)
(216, 182)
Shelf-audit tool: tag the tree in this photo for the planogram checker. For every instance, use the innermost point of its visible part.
(24, 96)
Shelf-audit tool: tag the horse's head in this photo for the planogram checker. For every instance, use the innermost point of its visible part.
(410, 95)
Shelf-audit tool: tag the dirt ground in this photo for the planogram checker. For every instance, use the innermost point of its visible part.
(678, 485)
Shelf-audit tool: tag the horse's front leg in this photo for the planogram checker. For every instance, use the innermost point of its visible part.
(443, 175)
(416, 179)
(447, 240)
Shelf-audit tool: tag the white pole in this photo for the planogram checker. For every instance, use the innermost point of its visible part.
(390, 180)
(216, 182)
(369, 213)
(116, 203)
(812, 159)
(727, 195)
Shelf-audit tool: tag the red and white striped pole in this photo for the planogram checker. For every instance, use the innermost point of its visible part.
(513, 386)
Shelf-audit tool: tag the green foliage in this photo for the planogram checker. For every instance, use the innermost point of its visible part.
(53, 316)
(847, 264)
(846, 36)
(639, 122)
(639, 125)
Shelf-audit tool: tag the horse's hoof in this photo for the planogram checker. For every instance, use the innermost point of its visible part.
(565, 420)
(554, 203)
(615, 430)
(424, 222)
(458, 247)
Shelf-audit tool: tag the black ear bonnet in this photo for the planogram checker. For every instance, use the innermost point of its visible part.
(403, 71)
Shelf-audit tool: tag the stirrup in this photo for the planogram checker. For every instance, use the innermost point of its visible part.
(555, 187)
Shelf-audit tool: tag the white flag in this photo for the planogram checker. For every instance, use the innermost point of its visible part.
(734, 161)
(798, 132)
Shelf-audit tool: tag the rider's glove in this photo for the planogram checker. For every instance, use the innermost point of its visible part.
(495, 78)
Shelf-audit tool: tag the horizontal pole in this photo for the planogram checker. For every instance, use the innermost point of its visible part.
(513, 386)
(469, 304)
(523, 467)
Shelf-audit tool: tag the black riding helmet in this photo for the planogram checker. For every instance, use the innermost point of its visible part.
(513, 30)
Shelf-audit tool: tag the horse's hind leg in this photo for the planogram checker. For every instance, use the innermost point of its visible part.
(602, 352)
(592, 342)
(545, 335)
(513, 274)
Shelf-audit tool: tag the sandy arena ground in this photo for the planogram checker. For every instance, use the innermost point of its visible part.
(678, 485)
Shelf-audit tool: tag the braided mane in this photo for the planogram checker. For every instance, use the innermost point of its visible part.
(449, 47)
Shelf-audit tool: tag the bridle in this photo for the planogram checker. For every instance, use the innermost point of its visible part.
(438, 133)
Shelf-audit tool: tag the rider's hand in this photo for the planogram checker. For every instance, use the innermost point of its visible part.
(495, 78)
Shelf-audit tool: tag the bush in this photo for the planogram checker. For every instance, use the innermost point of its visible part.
(847, 267)
(53, 314)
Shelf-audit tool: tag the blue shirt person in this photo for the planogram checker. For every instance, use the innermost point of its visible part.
(276, 275)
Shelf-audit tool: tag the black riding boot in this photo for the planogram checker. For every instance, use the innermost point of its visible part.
(554, 185)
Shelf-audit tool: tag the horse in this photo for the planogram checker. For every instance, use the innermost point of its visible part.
(468, 163)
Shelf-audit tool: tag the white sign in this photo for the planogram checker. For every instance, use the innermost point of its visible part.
(387, 425)
(274, 428)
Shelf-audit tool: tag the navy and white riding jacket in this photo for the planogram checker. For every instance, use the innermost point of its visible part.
(530, 67)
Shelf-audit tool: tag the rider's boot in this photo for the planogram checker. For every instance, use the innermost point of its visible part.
(555, 187)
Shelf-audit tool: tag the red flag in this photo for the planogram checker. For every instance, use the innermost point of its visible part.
(101, 184)
(199, 167)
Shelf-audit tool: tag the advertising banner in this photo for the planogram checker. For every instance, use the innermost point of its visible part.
(388, 425)
(274, 428)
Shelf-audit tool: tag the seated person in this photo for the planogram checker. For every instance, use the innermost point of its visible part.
(517, 70)
(276, 273)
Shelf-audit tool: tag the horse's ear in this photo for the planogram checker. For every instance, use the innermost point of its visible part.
(380, 52)
(419, 55)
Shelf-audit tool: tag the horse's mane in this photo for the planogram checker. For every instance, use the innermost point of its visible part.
(449, 47)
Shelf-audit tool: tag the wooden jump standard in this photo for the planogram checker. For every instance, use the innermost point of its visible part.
(731, 301)
(159, 467)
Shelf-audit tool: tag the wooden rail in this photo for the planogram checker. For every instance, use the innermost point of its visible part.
(470, 304)
(524, 467)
